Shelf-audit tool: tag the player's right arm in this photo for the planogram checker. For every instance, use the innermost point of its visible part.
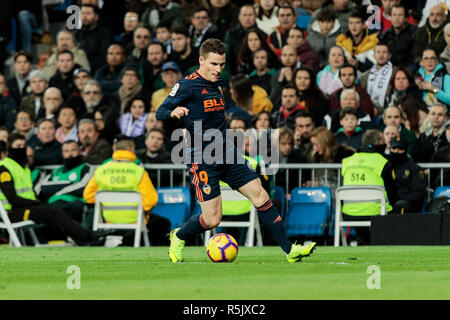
(172, 105)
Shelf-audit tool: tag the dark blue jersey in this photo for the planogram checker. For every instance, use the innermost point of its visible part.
(206, 105)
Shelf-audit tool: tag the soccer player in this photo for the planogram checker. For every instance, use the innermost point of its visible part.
(199, 97)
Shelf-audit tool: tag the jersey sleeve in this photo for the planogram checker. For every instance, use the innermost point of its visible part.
(180, 93)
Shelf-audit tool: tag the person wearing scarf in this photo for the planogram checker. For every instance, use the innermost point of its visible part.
(285, 116)
(131, 86)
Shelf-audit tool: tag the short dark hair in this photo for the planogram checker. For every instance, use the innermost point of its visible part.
(15, 136)
(398, 6)
(71, 141)
(239, 118)
(287, 6)
(304, 114)
(290, 86)
(155, 129)
(348, 65)
(355, 13)
(199, 9)
(179, 29)
(65, 51)
(138, 97)
(25, 111)
(157, 43)
(326, 14)
(346, 111)
(212, 45)
(95, 8)
(41, 121)
(27, 56)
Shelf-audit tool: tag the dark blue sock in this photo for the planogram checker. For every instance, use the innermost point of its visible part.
(270, 217)
(194, 225)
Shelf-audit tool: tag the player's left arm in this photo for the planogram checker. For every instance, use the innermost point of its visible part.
(180, 93)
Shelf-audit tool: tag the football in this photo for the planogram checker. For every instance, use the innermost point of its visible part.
(222, 248)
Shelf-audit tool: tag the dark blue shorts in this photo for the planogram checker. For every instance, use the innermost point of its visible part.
(205, 178)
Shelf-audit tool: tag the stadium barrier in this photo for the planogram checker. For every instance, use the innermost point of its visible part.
(322, 174)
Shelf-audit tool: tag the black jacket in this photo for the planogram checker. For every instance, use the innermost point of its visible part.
(427, 145)
(46, 154)
(410, 184)
(426, 37)
(400, 45)
(8, 109)
(95, 43)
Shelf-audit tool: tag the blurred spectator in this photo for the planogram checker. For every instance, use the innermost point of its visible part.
(441, 155)
(303, 15)
(400, 38)
(139, 6)
(24, 125)
(348, 98)
(107, 123)
(445, 55)
(262, 73)
(63, 78)
(29, 18)
(254, 40)
(93, 99)
(358, 42)
(310, 95)
(290, 106)
(304, 126)
(389, 132)
(349, 133)
(224, 14)
(7, 106)
(434, 136)
(151, 72)
(171, 74)
(4, 134)
(94, 150)
(34, 102)
(234, 36)
(109, 74)
(155, 152)
(47, 150)
(266, 15)
(431, 35)
(130, 86)
(348, 76)
(323, 34)
(402, 84)
(376, 79)
(81, 76)
(65, 40)
(202, 28)
(284, 75)
(142, 37)
(164, 11)
(278, 38)
(415, 114)
(92, 37)
(130, 23)
(152, 122)
(306, 55)
(67, 119)
(63, 188)
(183, 54)
(52, 101)
(164, 35)
(384, 15)
(433, 79)
(287, 154)
(342, 8)
(132, 121)
(328, 78)
(392, 116)
(409, 180)
(19, 83)
(251, 98)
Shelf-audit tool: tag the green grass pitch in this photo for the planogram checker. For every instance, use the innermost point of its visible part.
(421, 272)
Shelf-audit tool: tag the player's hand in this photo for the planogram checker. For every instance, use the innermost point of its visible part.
(179, 112)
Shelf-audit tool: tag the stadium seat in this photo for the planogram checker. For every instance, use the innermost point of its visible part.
(174, 203)
(279, 194)
(356, 193)
(229, 194)
(28, 225)
(442, 191)
(309, 211)
(125, 198)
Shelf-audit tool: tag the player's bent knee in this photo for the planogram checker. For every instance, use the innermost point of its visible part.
(212, 221)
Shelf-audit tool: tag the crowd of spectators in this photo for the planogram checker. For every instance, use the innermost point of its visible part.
(323, 72)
